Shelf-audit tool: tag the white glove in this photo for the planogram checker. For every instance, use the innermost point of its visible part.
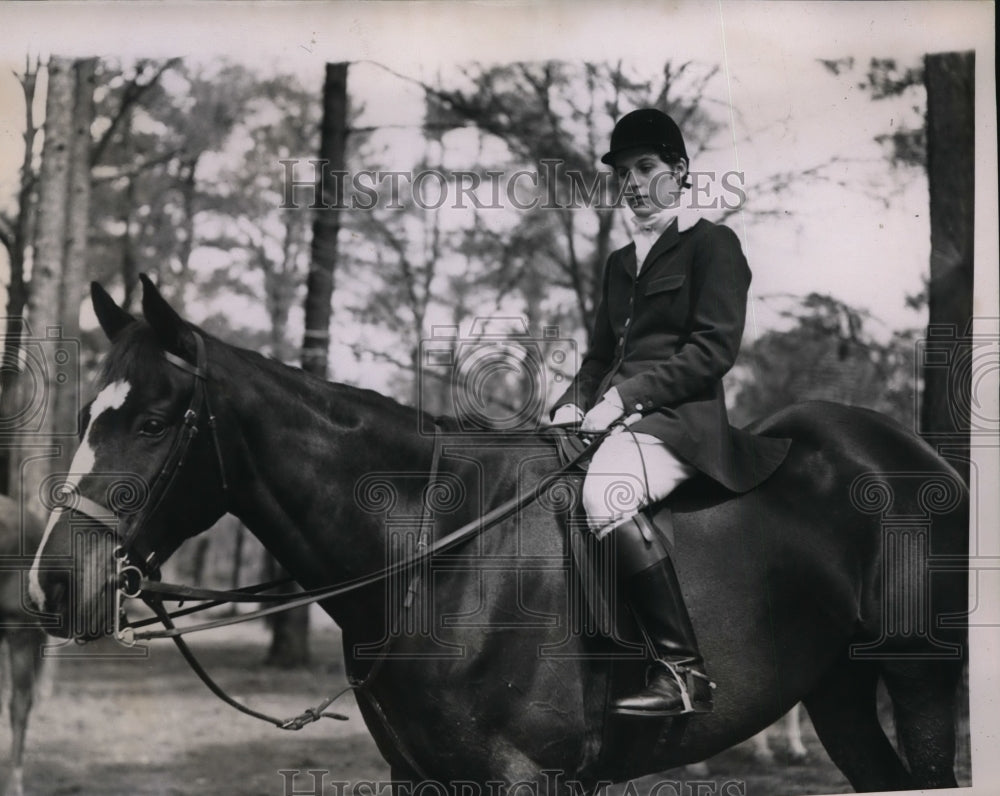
(606, 412)
(567, 414)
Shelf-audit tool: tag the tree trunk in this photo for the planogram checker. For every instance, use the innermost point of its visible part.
(130, 260)
(290, 629)
(78, 196)
(945, 412)
(17, 291)
(77, 228)
(326, 224)
(51, 380)
(45, 297)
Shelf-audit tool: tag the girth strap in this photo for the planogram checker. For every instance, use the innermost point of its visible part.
(426, 518)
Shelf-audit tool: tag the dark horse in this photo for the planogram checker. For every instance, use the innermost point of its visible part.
(812, 588)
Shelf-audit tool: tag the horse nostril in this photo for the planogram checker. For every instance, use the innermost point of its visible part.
(55, 594)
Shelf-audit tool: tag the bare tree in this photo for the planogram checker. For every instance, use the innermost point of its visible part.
(556, 117)
(15, 235)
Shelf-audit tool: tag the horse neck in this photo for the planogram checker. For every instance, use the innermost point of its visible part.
(326, 473)
(303, 443)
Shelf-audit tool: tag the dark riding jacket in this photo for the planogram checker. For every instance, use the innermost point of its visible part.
(665, 339)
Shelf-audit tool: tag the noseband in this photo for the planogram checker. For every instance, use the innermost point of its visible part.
(133, 567)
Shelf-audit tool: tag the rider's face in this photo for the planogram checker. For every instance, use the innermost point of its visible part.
(650, 185)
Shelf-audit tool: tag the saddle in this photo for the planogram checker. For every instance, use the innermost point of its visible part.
(627, 744)
(592, 573)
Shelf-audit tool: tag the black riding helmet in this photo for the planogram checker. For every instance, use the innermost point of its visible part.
(647, 127)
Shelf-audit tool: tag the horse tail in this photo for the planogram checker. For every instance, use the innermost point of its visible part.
(924, 677)
(924, 610)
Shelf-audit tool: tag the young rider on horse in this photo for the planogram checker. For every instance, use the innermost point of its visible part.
(667, 329)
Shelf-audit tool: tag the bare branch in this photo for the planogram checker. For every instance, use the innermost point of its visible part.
(139, 168)
(7, 234)
(134, 91)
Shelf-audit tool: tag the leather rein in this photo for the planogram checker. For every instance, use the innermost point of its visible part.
(141, 579)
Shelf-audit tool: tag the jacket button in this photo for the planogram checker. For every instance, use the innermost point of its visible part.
(638, 407)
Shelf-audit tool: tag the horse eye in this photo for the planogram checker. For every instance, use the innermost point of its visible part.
(153, 427)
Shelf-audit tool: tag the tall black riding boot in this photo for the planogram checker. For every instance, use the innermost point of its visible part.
(677, 683)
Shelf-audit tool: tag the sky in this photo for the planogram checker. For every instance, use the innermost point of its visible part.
(862, 235)
(789, 114)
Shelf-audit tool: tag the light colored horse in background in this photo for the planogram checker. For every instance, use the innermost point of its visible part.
(21, 637)
(791, 723)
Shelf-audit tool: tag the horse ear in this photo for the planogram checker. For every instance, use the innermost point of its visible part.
(170, 328)
(113, 319)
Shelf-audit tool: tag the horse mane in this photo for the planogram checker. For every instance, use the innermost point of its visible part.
(371, 399)
(134, 357)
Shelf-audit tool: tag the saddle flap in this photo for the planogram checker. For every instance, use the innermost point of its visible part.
(662, 519)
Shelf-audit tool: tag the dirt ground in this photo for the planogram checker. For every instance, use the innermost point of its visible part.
(145, 726)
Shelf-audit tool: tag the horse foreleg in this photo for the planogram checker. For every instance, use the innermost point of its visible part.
(923, 697)
(25, 661)
(844, 712)
(791, 725)
(762, 752)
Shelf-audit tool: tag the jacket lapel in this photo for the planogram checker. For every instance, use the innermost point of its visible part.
(670, 238)
(667, 241)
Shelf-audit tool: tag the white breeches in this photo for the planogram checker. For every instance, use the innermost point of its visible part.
(627, 472)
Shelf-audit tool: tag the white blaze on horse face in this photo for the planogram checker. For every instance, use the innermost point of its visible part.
(111, 397)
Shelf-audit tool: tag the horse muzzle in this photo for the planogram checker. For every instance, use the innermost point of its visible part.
(74, 582)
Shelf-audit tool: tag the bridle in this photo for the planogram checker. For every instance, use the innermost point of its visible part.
(134, 567)
(135, 576)
(175, 458)
(138, 576)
